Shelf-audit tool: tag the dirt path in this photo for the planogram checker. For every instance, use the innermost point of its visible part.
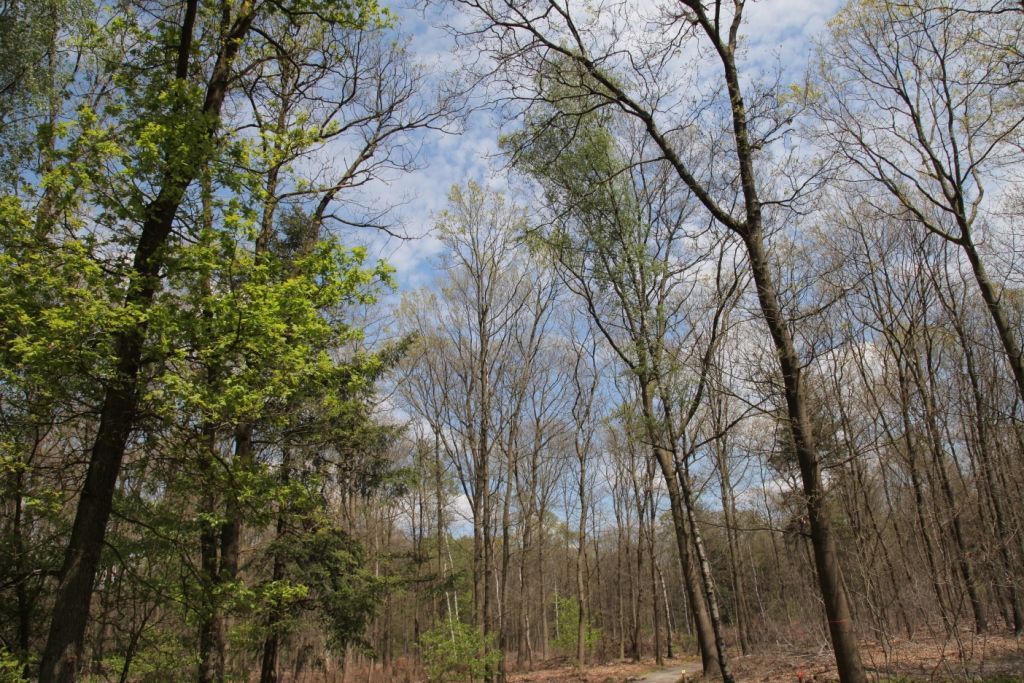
(672, 674)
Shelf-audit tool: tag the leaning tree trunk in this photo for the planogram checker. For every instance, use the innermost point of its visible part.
(830, 582)
(707, 580)
(677, 503)
(1007, 336)
(61, 658)
(698, 605)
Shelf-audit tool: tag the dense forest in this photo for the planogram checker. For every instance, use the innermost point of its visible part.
(722, 359)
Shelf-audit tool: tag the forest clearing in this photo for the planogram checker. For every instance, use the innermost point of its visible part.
(511, 340)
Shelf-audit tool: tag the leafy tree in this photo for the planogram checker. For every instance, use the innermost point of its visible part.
(162, 314)
(456, 651)
(567, 617)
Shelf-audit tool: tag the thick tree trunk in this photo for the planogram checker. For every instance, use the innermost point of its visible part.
(61, 658)
(837, 609)
(990, 296)
(211, 628)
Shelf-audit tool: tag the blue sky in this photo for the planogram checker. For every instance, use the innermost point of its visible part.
(779, 33)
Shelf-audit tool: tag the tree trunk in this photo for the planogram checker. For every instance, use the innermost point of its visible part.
(830, 582)
(677, 502)
(989, 295)
(987, 466)
(61, 658)
(668, 615)
(271, 645)
(651, 521)
(706, 577)
(211, 627)
(729, 514)
(581, 586)
(964, 565)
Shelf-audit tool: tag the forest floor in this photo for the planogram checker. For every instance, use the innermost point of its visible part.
(616, 672)
(995, 657)
(990, 658)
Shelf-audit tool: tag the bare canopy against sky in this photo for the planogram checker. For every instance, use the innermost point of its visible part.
(779, 36)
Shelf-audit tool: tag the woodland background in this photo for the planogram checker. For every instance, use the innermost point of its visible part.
(724, 360)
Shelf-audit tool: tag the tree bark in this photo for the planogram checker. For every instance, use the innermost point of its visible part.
(61, 658)
(680, 523)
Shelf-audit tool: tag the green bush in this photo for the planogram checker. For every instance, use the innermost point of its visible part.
(454, 651)
(10, 668)
(567, 616)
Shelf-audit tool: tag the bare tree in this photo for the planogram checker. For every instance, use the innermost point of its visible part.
(921, 99)
(634, 74)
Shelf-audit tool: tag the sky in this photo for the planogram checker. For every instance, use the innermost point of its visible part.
(779, 33)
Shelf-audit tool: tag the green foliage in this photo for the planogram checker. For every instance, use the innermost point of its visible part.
(163, 655)
(454, 651)
(33, 74)
(567, 618)
(55, 303)
(267, 338)
(10, 668)
(569, 148)
(241, 330)
(327, 575)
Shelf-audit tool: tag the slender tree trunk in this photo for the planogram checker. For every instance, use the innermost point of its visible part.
(24, 607)
(619, 563)
(963, 562)
(678, 503)
(651, 521)
(637, 590)
(668, 615)
(581, 562)
(525, 652)
(988, 480)
(706, 577)
(735, 574)
(272, 643)
(504, 626)
(211, 626)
